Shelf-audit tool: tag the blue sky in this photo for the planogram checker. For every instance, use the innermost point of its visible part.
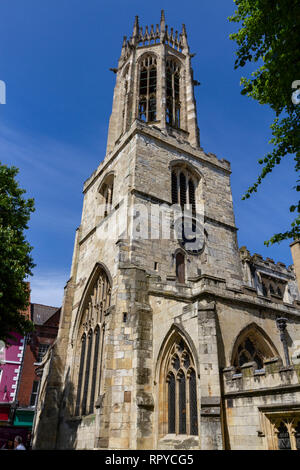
(55, 59)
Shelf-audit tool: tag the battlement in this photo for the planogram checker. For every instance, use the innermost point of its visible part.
(268, 263)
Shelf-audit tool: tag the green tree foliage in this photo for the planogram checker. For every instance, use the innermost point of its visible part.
(270, 35)
(15, 259)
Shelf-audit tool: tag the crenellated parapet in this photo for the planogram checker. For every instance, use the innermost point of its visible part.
(275, 281)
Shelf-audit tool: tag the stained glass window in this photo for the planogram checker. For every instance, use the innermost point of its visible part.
(80, 376)
(182, 391)
(87, 372)
(182, 405)
(95, 368)
(171, 402)
(193, 404)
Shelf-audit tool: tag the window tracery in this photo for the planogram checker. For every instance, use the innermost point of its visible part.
(247, 352)
(91, 333)
(181, 391)
(183, 189)
(252, 346)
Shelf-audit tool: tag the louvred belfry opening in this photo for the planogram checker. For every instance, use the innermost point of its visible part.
(172, 92)
(147, 89)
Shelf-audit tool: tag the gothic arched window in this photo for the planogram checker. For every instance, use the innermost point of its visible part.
(247, 352)
(96, 303)
(252, 346)
(184, 185)
(106, 191)
(173, 93)
(181, 391)
(147, 89)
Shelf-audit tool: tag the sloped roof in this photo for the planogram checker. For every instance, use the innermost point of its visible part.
(41, 313)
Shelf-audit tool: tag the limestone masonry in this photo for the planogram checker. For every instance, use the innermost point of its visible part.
(171, 337)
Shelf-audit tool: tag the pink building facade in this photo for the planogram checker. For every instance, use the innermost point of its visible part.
(10, 369)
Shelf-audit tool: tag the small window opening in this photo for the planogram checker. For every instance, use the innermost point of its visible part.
(180, 268)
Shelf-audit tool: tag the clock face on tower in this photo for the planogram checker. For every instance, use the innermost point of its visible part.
(190, 234)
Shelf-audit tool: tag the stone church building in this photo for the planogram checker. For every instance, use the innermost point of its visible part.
(171, 337)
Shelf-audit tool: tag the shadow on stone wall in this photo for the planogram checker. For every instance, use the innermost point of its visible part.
(56, 402)
(222, 363)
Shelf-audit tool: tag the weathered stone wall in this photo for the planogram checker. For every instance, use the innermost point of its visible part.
(252, 397)
(233, 318)
(213, 196)
(218, 299)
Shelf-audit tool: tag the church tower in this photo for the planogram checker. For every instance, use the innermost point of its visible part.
(131, 304)
(155, 84)
(156, 296)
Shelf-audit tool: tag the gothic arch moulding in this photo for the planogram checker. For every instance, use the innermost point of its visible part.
(188, 166)
(89, 339)
(126, 69)
(177, 166)
(99, 271)
(174, 58)
(105, 179)
(147, 54)
(252, 345)
(105, 194)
